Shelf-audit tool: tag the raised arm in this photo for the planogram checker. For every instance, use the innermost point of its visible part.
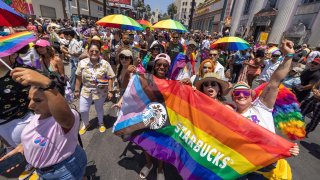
(58, 106)
(269, 94)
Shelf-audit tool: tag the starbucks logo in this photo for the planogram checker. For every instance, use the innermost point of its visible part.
(154, 115)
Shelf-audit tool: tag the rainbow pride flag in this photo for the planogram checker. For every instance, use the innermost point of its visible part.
(199, 136)
(286, 113)
(14, 42)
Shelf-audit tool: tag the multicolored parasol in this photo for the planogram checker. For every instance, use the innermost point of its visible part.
(14, 42)
(230, 43)
(170, 24)
(273, 50)
(120, 21)
(9, 17)
(144, 23)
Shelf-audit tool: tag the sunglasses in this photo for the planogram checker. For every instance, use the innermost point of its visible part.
(92, 51)
(275, 56)
(156, 49)
(210, 83)
(206, 67)
(213, 54)
(124, 57)
(245, 93)
(165, 65)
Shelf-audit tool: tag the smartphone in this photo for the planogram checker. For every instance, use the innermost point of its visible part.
(11, 161)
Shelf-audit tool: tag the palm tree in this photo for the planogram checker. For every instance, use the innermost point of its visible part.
(148, 11)
(89, 7)
(172, 10)
(140, 7)
(78, 8)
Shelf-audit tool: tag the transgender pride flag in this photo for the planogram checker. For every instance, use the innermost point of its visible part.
(199, 136)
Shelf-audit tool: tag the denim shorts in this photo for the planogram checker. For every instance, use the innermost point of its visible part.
(72, 168)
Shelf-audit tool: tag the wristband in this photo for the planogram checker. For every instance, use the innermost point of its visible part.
(289, 55)
(51, 85)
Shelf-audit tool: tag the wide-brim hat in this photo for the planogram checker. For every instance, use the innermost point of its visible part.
(14, 42)
(95, 38)
(213, 77)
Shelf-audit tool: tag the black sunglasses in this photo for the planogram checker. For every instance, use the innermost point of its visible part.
(213, 54)
(275, 56)
(212, 83)
(125, 57)
(165, 65)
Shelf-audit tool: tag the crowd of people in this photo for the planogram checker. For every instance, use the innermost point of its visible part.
(36, 119)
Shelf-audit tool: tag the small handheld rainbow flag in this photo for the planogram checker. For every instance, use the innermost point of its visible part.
(14, 42)
(198, 135)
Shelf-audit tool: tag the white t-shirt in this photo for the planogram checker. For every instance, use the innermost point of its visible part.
(205, 44)
(219, 69)
(261, 115)
(268, 70)
(312, 55)
(185, 72)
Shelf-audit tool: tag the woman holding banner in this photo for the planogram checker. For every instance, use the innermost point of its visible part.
(260, 110)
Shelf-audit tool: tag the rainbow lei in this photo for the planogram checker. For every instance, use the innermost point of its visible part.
(286, 113)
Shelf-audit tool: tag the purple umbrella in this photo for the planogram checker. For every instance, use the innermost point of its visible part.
(9, 17)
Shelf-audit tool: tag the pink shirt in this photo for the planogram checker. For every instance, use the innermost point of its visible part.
(45, 142)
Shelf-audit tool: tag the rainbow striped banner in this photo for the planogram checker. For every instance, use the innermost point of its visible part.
(199, 136)
(14, 42)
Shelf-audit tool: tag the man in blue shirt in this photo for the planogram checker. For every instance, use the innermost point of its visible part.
(237, 62)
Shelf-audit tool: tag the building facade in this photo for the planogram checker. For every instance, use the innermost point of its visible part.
(88, 8)
(212, 16)
(184, 10)
(297, 20)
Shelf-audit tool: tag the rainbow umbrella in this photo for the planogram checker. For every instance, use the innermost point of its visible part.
(9, 17)
(14, 42)
(120, 21)
(145, 23)
(273, 50)
(230, 43)
(170, 24)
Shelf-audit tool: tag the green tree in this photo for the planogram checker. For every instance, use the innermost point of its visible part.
(172, 10)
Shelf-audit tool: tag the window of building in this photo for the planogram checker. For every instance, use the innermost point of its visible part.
(309, 1)
(273, 3)
(247, 6)
(83, 4)
(47, 11)
(73, 3)
(100, 8)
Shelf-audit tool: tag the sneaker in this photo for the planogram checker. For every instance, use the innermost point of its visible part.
(34, 176)
(83, 130)
(29, 170)
(102, 128)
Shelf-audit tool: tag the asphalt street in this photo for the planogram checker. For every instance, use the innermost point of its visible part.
(109, 158)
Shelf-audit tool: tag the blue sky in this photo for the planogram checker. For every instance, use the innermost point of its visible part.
(160, 4)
